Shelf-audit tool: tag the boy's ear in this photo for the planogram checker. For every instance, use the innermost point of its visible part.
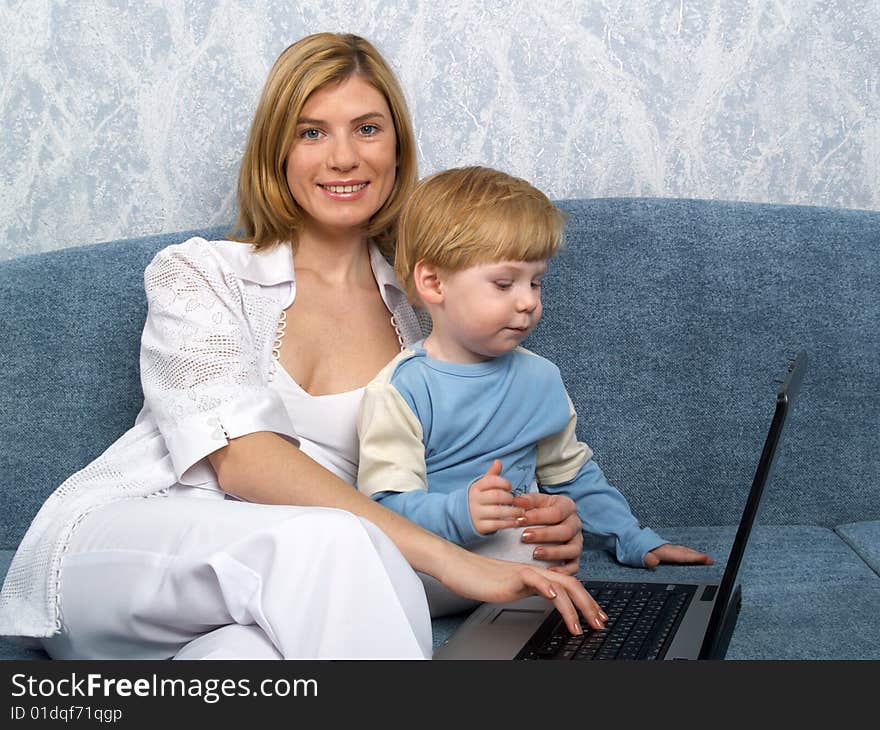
(428, 283)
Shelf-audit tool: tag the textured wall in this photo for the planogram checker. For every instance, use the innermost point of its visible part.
(127, 118)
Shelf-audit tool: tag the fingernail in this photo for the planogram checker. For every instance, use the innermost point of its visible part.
(520, 520)
(527, 535)
(538, 553)
(604, 617)
(552, 593)
(577, 629)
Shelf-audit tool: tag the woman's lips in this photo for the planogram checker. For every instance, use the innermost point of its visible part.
(344, 191)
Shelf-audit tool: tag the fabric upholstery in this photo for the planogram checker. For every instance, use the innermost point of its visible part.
(669, 320)
(864, 538)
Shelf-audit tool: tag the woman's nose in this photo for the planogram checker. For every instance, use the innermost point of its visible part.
(342, 153)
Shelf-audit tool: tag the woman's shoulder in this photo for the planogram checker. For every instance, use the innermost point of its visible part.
(226, 261)
(208, 253)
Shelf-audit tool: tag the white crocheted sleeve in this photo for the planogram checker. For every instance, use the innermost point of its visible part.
(206, 355)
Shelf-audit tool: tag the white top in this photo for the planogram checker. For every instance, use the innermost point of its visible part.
(326, 425)
(207, 373)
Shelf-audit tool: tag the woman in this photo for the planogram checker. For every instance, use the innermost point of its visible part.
(204, 531)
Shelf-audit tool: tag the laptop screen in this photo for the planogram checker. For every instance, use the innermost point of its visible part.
(784, 398)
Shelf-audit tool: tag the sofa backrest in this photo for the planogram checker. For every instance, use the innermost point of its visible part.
(69, 375)
(668, 318)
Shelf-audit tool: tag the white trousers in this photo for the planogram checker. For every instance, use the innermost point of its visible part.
(196, 578)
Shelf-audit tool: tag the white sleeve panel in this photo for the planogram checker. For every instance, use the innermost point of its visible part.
(561, 455)
(392, 454)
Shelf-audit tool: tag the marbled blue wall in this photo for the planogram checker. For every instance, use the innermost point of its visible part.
(128, 118)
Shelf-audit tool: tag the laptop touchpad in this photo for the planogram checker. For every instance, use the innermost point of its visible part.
(517, 617)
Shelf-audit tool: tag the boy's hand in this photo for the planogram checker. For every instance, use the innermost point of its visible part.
(670, 553)
(491, 502)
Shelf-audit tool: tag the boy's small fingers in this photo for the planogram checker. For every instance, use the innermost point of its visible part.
(498, 497)
(486, 484)
(499, 512)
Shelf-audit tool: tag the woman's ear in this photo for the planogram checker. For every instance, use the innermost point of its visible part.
(428, 283)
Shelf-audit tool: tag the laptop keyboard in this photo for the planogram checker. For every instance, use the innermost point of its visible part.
(642, 618)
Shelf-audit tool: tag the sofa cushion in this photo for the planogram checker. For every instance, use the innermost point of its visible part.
(864, 538)
(806, 594)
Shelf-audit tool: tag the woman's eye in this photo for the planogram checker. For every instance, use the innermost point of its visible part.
(368, 130)
(310, 134)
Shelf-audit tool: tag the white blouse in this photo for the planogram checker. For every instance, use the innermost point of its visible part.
(208, 372)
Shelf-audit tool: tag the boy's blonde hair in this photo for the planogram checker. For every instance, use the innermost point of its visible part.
(474, 215)
(268, 212)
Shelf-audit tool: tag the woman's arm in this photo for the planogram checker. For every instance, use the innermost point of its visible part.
(264, 467)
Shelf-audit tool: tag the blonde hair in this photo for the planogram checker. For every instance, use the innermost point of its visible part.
(268, 212)
(474, 215)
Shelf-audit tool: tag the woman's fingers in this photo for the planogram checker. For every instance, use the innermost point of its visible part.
(562, 533)
(570, 599)
(569, 567)
(545, 509)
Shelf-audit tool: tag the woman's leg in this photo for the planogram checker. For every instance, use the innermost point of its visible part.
(233, 641)
(144, 578)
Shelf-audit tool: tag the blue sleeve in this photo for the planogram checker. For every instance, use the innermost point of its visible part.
(447, 515)
(605, 513)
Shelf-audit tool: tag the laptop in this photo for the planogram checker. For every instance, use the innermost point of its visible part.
(648, 620)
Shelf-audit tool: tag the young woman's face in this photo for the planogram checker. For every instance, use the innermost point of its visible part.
(343, 162)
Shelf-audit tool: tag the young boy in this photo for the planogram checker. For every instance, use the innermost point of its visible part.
(457, 425)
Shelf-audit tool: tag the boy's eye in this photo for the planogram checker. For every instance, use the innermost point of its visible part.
(536, 284)
(503, 284)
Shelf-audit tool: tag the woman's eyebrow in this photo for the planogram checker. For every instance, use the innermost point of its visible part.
(356, 120)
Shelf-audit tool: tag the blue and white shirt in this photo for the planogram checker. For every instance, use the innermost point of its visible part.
(429, 428)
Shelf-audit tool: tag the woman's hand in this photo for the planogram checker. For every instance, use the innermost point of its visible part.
(559, 538)
(498, 581)
(669, 553)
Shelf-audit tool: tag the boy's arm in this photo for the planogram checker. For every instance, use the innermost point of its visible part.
(446, 515)
(391, 467)
(605, 513)
(565, 466)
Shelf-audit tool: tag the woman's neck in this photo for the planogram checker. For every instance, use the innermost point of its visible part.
(335, 259)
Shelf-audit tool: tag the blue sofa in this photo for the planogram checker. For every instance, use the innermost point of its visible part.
(670, 320)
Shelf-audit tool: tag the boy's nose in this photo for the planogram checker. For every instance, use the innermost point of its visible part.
(528, 301)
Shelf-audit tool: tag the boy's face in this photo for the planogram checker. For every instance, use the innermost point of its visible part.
(487, 309)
